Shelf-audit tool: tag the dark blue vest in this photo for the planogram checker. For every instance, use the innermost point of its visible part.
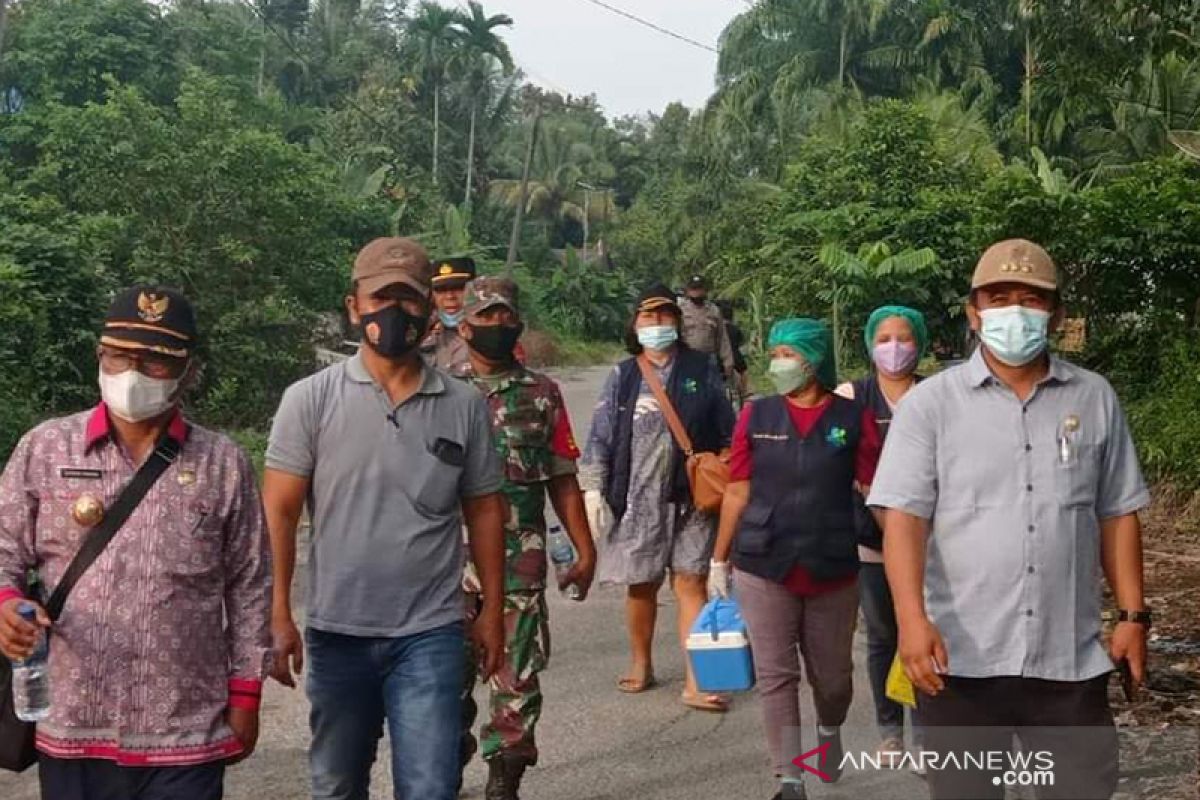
(801, 508)
(709, 426)
(868, 394)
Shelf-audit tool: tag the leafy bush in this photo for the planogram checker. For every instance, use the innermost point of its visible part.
(1165, 415)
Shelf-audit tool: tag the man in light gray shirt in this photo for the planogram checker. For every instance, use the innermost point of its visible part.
(391, 457)
(1011, 484)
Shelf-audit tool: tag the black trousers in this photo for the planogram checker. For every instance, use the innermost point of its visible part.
(1065, 728)
(96, 779)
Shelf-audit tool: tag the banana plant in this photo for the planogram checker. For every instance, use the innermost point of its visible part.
(856, 278)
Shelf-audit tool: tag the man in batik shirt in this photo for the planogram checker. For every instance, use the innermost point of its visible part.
(156, 664)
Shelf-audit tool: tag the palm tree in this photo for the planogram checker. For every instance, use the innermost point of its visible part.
(480, 52)
(781, 57)
(284, 18)
(556, 192)
(433, 30)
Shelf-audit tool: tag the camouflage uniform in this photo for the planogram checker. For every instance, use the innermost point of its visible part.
(703, 329)
(532, 436)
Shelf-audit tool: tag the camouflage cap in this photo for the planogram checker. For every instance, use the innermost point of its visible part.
(1016, 261)
(488, 291)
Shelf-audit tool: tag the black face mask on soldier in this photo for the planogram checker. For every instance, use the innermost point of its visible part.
(393, 332)
(495, 342)
(697, 300)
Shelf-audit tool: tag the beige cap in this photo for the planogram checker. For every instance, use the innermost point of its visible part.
(1016, 261)
(391, 260)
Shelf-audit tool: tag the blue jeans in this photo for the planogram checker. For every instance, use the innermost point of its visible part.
(876, 600)
(413, 683)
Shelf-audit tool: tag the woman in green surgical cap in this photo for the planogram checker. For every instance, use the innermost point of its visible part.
(896, 338)
(798, 460)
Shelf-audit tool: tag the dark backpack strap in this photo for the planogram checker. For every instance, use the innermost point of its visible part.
(165, 453)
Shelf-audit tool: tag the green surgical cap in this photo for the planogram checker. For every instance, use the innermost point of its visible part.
(914, 318)
(811, 339)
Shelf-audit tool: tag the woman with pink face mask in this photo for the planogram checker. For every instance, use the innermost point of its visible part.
(896, 339)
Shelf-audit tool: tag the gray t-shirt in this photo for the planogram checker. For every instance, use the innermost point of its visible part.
(386, 484)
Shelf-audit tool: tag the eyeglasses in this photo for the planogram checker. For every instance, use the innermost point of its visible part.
(114, 362)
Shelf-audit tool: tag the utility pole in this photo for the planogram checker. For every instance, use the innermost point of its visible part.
(3, 19)
(519, 217)
(587, 213)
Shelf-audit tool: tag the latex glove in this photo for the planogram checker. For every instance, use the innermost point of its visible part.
(718, 579)
(599, 515)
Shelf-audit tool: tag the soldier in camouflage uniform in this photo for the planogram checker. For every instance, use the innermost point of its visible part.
(443, 347)
(532, 435)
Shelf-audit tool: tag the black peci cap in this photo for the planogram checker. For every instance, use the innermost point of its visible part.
(697, 282)
(151, 318)
(453, 273)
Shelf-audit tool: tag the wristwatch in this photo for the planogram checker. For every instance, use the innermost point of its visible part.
(1140, 617)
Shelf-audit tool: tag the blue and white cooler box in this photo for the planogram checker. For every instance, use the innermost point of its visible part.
(719, 648)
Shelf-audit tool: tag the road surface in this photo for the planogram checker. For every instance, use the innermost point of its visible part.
(596, 743)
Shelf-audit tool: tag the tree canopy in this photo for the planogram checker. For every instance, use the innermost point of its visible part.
(852, 153)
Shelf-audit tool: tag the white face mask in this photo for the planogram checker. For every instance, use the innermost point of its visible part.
(134, 397)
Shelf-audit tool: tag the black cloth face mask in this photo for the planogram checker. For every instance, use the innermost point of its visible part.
(697, 300)
(393, 332)
(495, 342)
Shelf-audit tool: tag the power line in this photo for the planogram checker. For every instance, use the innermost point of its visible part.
(654, 27)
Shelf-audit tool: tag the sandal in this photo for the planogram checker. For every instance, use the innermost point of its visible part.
(705, 701)
(636, 685)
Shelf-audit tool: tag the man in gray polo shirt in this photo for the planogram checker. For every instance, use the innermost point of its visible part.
(391, 457)
(1011, 483)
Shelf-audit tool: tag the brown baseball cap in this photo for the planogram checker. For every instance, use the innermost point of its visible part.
(488, 291)
(393, 260)
(1016, 261)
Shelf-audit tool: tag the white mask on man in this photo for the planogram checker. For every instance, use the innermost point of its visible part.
(134, 397)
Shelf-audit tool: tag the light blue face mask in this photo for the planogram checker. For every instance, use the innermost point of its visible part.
(657, 337)
(451, 320)
(1014, 334)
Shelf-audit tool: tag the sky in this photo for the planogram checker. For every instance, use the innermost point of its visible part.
(576, 47)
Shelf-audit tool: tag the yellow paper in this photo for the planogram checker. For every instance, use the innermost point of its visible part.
(899, 687)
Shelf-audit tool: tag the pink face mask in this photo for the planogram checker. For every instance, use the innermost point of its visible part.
(895, 358)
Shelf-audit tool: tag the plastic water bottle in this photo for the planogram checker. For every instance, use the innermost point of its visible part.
(562, 556)
(31, 678)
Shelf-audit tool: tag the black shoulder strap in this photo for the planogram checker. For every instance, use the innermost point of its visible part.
(165, 452)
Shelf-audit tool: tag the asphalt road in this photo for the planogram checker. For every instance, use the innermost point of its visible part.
(596, 743)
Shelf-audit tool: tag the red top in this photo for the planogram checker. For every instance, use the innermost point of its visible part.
(866, 459)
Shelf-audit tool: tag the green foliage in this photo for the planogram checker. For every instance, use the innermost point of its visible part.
(854, 153)
(1165, 413)
(578, 299)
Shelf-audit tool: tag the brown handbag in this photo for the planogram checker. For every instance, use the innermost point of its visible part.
(708, 473)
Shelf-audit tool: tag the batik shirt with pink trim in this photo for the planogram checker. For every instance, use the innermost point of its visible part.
(170, 627)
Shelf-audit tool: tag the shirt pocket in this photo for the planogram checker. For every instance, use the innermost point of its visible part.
(439, 475)
(1077, 474)
(755, 534)
(58, 535)
(197, 550)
